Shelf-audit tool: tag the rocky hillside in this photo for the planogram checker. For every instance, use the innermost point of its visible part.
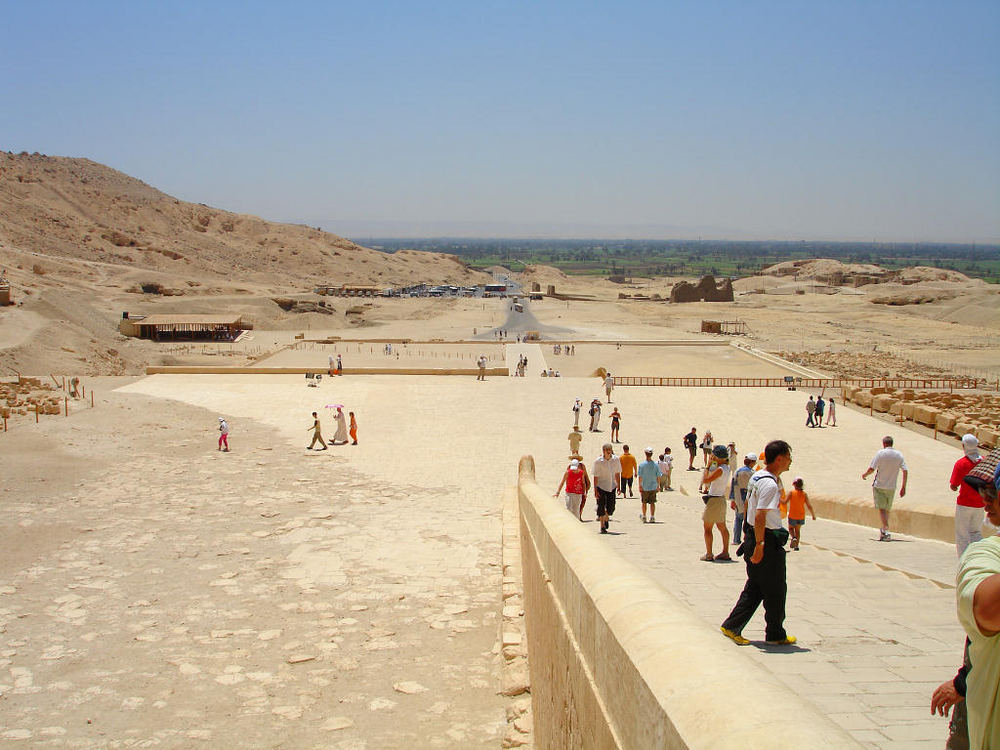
(74, 213)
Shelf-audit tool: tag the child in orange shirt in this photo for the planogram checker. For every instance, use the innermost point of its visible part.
(354, 429)
(798, 501)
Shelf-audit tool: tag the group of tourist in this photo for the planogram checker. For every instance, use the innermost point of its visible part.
(816, 408)
(341, 436)
(568, 349)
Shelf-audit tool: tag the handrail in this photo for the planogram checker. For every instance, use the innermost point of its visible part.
(798, 382)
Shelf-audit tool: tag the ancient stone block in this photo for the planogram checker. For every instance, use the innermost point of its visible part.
(863, 398)
(988, 438)
(926, 414)
(946, 421)
(883, 402)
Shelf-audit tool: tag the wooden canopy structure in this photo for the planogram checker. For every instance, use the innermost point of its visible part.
(729, 327)
(185, 327)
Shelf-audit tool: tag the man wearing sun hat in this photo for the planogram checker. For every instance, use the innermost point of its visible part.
(978, 593)
(577, 484)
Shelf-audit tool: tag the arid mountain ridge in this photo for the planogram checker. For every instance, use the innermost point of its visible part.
(69, 209)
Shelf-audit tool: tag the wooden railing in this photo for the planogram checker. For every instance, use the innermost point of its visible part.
(934, 384)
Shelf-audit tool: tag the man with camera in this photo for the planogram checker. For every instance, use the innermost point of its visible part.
(716, 483)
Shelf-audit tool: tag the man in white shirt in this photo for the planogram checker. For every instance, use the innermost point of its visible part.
(886, 464)
(607, 476)
(764, 551)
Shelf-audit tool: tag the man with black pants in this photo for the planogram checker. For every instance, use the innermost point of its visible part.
(691, 443)
(607, 476)
(764, 550)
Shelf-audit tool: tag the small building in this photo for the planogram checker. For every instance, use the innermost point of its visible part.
(184, 327)
(5, 293)
(727, 327)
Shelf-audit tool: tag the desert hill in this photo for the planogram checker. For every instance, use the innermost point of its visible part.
(86, 220)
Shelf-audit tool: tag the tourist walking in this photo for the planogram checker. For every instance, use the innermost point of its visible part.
(340, 365)
(706, 447)
(810, 412)
(969, 513)
(716, 483)
(340, 437)
(609, 385)
(577, 406)
(667, 467)
(649, 482)
(595, 414)
(616, 420)
(481, 363)
(575, 438)
(606, 474)
(831, 414)
(223, 435)
(354, 429)
(820, 408)
(798, 501)
(628, 463)
(577, 483)
(886, 464)
(741, 481)
(691, 443)
(317, 434)
(763, 549)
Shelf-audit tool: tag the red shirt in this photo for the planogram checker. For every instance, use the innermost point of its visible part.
(966, 495)
(574, 482)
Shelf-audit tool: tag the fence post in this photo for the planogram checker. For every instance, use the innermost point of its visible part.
(66, 405)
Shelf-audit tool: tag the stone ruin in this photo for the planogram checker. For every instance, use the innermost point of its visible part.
(707, 290)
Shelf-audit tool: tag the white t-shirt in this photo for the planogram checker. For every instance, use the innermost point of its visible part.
(604, 472)
(664, 466)
(668, 459)
(609, 382)
(763, 494)
(887, 463)
(719, 487)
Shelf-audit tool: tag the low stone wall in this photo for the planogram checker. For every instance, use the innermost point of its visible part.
(924, 521)
(198, 370)
(617, 662)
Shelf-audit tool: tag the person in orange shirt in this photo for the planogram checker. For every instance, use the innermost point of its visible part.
(629, 465)
(798, 501)
(354, 428)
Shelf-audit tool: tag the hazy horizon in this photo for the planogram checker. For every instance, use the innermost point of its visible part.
(841, 120)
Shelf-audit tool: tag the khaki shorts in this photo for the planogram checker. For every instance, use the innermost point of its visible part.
(883, 498)
(715, 510)
(662, 482)
(648, 496)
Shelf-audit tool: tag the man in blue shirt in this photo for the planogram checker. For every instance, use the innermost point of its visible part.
(649, 482)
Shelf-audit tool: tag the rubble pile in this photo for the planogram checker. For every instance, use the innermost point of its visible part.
(22, 397)
(950, 413)
(867, 365)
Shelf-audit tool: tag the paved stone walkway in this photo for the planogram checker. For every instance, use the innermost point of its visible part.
(875, 621)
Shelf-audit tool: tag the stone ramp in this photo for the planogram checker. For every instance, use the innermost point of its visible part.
(536, 359)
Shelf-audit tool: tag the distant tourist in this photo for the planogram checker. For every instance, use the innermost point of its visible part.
(577, 406)
(706, 447)
(886, 464)
(810, 412)
(691, 443)
(628, 464)
(340, 437)
(798, 501)
(577, 483)
(616, 419)
(333, 366)
(969, 513)
(831, 414)
(575, 437)
(606, 474)
(609, 385)
(741, 480)
(353, 429)
(223, 435)
(649, 482)
(764, 552)
(820, 408)
(481, 363)
(667, 467)
(340, 365)
(716, 483)
(595, 414)
(317, 434)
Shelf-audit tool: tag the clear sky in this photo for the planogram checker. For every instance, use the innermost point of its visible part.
(815, 119)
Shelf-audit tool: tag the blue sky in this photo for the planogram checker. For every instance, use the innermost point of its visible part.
(789, 120)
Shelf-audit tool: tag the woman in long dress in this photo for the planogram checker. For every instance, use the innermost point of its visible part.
(341, 437)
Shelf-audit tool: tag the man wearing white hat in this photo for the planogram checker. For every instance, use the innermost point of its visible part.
(969, 513)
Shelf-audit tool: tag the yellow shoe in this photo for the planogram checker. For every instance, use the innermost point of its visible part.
(788, 640)
(736, 638)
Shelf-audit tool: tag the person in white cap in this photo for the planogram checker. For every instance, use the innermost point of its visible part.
(223, 435)
(969, 513)
(649, 474)
(577, 483)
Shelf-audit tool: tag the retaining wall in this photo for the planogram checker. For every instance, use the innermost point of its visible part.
(617, 662)
(208, 370)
